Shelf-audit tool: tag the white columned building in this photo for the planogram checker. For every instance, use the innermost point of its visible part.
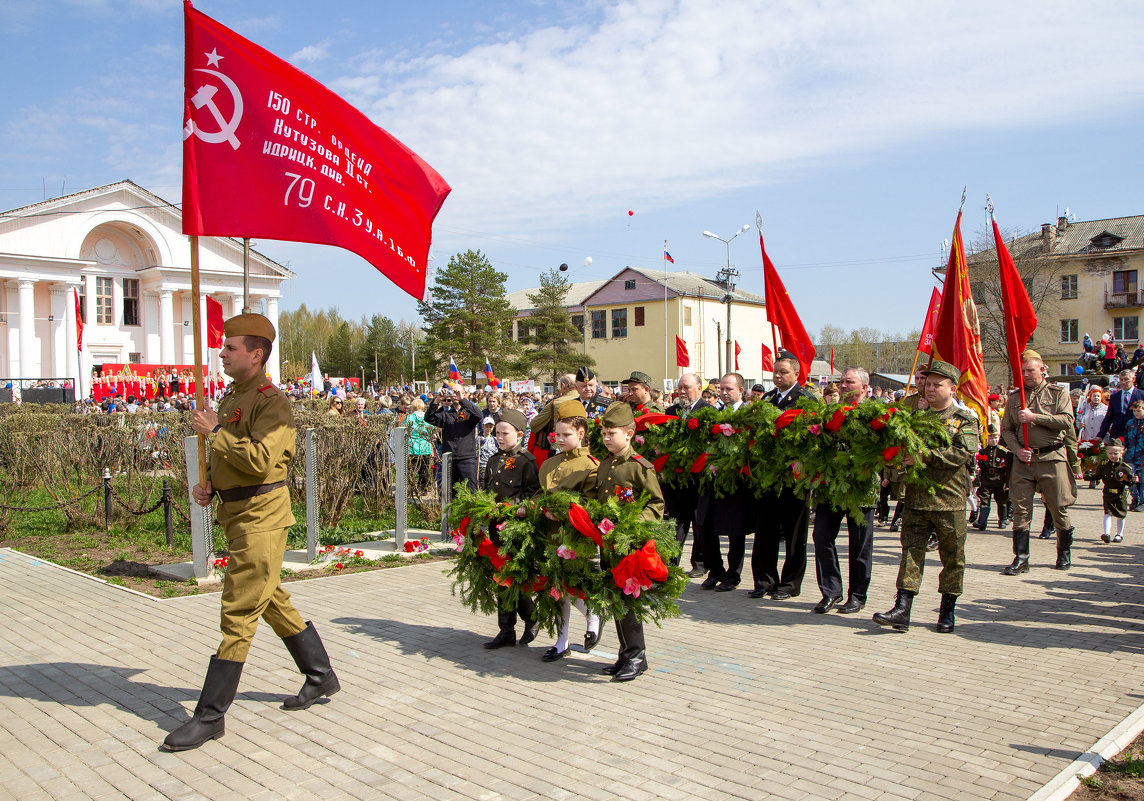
(122, 248)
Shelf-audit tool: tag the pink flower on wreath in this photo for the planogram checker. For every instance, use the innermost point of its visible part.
(726, 429)
(632, 587)
(555, 593)
(501, 525)
(639, 438)
(814, 428)
(606, 526)
(564, 552)
(459, 542)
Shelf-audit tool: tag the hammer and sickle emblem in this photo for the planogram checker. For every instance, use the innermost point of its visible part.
(204, 97)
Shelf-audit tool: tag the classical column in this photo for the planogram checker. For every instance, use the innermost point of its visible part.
(29, 364)
(188, 331)
(73, 366)
(166, 327)
(149, 306)
(11, 309)
(235, 305)
(274, 366)
(58, 324)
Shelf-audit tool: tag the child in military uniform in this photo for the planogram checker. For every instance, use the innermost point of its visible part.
(993, 482)
(624, 469)
(573, 469)
(1118, 477)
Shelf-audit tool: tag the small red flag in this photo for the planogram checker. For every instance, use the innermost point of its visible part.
(781, 313)
(925, 343)
(682, 359)
(268, 152)
(78, 321)
(738, 350)
(214, 323)
(832, 362)
(768, 360)
(1020, 317)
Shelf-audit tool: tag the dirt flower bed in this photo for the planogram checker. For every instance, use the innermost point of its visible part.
(1119, 779)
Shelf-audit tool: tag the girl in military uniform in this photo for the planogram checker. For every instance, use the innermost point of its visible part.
(573, 469)
(1118, 477)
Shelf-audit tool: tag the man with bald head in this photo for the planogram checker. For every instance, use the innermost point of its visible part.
(541, 424)
(683, 500)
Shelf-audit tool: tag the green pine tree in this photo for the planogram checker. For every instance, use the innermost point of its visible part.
(557, 345)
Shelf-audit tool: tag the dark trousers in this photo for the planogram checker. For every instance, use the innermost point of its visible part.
(859, 549)
(783, 517)
(732, 516)
(465, 468)
(506, 618)
(883, 508)
(629, 631)
(682, 505)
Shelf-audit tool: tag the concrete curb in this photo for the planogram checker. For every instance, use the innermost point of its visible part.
(1067, 781)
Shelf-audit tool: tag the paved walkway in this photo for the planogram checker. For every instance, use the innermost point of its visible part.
(744, 700)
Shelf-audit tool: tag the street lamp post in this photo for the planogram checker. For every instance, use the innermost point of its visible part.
(718, 337)
(727, 278)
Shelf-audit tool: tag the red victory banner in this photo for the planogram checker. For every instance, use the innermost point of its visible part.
(269, 152)
(682, 359)
(738, 350)
(957, 337)
(925, 343)
(768, 360)
(1020, 316)
(214, 323)
(782, 315)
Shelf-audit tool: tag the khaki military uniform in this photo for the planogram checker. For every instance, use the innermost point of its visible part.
(574, 470)
(942, 512)
(628, 470)
(252, 447)
(640, 409)
(1053, 441)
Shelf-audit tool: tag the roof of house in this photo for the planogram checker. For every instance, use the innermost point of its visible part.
(682, 283)
(577, 294)
(1082, 237)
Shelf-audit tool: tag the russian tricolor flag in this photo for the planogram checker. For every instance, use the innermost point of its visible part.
(667, 256)
(454, 373)
(492, 379)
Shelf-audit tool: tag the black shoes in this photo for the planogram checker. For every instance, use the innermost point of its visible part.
(1020, 553)
(698, 571)
(591, 638)
(826, 604)
(931, 544)
(531, 629)
(759, 593)
(851, 606)
(710, 582)
(725, 587)
(783, 595)
(897, 618)
(502, 640)
(631, 669)
(219, 689)
(551, 655)
(945, 620)
(314, 663)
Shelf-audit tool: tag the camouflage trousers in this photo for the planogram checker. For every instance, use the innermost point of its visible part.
(950, 529)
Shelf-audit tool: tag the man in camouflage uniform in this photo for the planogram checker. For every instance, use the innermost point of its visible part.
(943, 510)
(1046, 463)
(251, 444)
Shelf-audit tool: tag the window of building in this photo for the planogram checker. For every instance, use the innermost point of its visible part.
(135, 358)
(1124, 282)
(639, 315)
(131, 301)
(1126, 329)
(630, 284)
(1070, 331)
(103, 313)
(578, 323)
(521, 331)
(83, 301)
(1068, 287)
(687, 315)
(598, 323)
(1064, 369)
(619, 323)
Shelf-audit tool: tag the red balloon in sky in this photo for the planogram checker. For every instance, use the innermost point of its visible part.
(630, 213)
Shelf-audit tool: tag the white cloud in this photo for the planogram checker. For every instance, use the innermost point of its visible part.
(310, 54)
(662, 100)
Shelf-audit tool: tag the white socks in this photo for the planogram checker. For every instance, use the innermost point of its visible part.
(1120, 521)
(593, 621)
(1108, 526)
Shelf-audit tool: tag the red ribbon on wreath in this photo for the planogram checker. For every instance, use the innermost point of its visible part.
(640, 567)
(661, 462)
(890, 452)
(489, 549)
(837, 419)
(645, 420)
(699, 463)
(581, 521)
(786, 418)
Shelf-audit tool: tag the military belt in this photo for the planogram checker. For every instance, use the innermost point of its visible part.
(242, 493)
(1047, 449)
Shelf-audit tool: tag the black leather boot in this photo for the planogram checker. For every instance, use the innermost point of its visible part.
(312, 660)
(633, 667)
(613, 669)
(207, 723)
(1047, 528)
(1064, 549)
(897, 618)
(1020, 553)
(527, 612)
(945, 620)
(896, 523)
(983, 516)
(506, 636)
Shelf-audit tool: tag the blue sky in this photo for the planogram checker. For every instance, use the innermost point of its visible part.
(850, 126)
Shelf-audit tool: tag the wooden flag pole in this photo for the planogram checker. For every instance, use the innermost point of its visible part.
(196, 329)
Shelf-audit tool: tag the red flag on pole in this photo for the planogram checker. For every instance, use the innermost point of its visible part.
(925, 343)
(832, 362)
(738, 350)
(957, 337)
(1020, 317)
(682, 359)
(78, 321)
(269, 152)
(768, 360)
(781, 313)
(214, 323)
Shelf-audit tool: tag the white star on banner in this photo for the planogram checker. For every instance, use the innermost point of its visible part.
(213, 57)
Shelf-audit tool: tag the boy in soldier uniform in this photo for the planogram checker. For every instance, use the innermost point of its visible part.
(621, 470)
(1118, 479)
(511, 475)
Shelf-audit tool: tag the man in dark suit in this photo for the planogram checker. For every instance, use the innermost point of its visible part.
(729, 515)
(783, 515)
(683, 501)
(1120, 407)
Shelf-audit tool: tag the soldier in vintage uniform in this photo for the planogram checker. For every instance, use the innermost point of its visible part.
(511, 475)
(1046, 464)
(637, 392)
(251, 443)
(994, 465)
(621, 470)
(943, 511)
